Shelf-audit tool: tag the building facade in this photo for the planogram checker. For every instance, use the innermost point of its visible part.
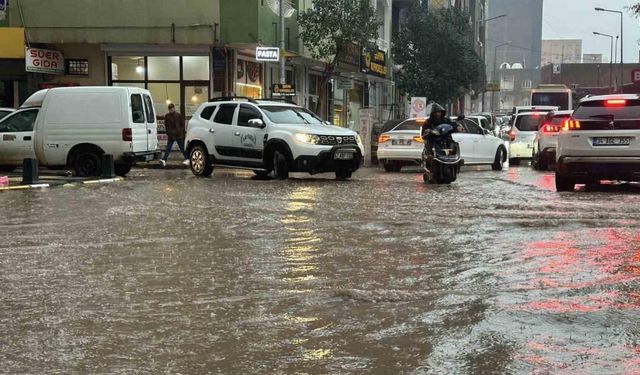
(561, 51)
(186, 52)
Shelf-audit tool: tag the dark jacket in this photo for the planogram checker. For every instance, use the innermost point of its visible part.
(174, 124)
(432, 123)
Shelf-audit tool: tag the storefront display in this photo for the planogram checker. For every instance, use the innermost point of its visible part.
(249, 79)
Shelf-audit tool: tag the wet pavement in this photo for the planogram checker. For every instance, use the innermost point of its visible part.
(167, 273)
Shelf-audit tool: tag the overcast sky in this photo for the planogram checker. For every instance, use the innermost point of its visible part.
(576, 19)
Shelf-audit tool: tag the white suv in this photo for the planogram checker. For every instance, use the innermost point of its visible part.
(272, 138)
(546, 141)
(522, 135)
(601, 141)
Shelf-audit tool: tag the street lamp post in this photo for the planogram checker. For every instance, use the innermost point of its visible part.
(484, 54)
(495, 68)
(610, 59)
(621, 42)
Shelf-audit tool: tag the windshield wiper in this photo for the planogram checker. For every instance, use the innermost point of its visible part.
(302, 117)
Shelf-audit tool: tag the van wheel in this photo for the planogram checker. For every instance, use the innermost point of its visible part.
(200, 162)
(280, 166)
(388, 166)
(87, 164)
(498, 163)
(122, 169)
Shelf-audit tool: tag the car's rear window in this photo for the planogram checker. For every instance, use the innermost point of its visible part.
(409, 125)
(602, 109)
(529, 123)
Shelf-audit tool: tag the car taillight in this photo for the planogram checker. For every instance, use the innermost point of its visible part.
(127, 135)
(571, 125)
(615, 103)
(417, 138)
(550, 128)
(384, 138)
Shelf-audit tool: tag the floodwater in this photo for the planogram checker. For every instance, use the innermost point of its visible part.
(167, 273)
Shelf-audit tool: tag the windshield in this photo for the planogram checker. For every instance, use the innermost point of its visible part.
(529, 123)
(408, 125)
(599, 109)
(290, 115)
(556, 99)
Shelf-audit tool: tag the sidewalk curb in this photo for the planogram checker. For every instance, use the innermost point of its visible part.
(65, 184)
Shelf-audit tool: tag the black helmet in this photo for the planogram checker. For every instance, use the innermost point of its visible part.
(435, 107)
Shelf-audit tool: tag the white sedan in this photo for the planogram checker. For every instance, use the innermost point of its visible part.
(16, 138)
(402, 146)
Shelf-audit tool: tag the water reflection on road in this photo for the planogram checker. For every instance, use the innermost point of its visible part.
(167, 273)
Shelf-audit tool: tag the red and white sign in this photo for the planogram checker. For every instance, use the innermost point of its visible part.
(635, 75)
(44, 61)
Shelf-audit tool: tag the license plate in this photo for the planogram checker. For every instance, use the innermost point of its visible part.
(612, 141)
(401, 142)
(343, 156)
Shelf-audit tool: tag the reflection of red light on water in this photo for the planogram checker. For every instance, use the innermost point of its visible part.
(547, 182)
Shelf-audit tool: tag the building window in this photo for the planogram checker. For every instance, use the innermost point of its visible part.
(526, 84)
(77, 67)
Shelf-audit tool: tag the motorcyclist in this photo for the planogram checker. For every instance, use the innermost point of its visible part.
(437, 117)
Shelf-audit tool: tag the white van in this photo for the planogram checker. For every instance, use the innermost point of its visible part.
(73, 126)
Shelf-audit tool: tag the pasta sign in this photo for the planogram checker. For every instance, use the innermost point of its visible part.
(44, 61)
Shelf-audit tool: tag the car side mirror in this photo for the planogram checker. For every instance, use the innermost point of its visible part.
(257, 123)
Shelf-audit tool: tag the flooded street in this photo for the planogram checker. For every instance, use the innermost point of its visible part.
(167, 273)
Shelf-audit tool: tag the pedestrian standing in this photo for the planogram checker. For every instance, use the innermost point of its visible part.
(174, 125)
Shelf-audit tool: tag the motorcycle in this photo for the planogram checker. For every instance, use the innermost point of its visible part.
(441, 156)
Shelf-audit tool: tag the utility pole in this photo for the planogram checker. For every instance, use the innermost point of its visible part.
(283, 77)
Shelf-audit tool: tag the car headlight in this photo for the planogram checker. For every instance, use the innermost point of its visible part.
(308, 138)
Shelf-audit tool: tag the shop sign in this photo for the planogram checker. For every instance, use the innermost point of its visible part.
(493, 86)
(344, 84)
(375, 63)
(418, 107)
(268, 54)
(283, 90)
(44, 61)
(349, 56)
(635, 75)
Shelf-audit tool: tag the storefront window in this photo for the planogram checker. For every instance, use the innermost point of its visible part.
(249, 79)
(164, 68)
(338, 107)
(195, 68)
(193, 97)
(127, 68)
(163, 94)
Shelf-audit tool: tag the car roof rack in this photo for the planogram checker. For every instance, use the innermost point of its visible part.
(286, 100)
(232, 98)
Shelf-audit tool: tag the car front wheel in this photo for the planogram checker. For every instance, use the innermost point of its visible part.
(200, 162)
(280, 166)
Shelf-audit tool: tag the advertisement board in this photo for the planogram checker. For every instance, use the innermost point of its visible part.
(44, 61)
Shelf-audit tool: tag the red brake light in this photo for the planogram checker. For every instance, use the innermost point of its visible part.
(571, 125)
(127, 135)
(384, 138)
(615, 102)
(550, 128)
(535, 114)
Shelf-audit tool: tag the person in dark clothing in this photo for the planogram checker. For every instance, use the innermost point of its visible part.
(437, 117)
(174, 125)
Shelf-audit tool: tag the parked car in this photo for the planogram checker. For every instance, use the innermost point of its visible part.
(5, 111)
(73, 126)
(522, 135)
(601, 141)
(403, 146)
(546, 140)
(270, 138)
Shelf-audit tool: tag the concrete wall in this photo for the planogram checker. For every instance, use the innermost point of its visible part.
(118, 21)
(91, 52)
(561, 51)
(587, 75)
